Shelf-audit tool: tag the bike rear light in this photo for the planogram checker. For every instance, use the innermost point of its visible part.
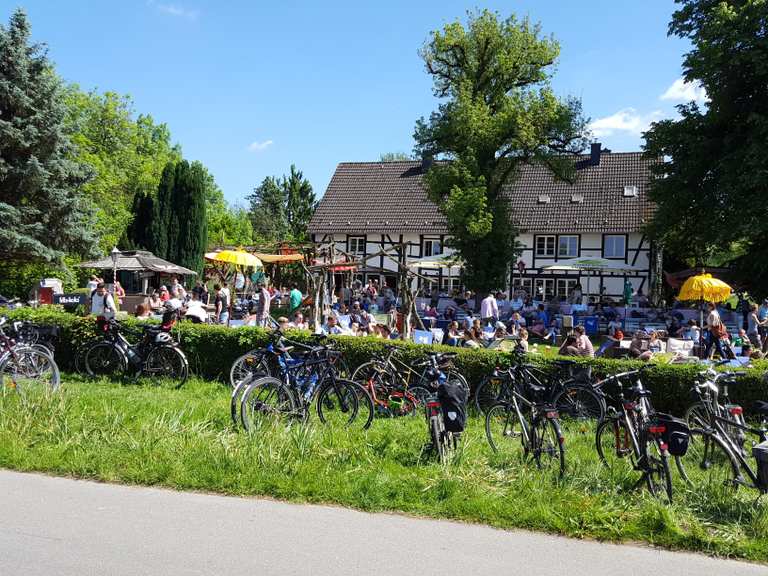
(433, 404)
(561, 440)
(552, 414)
(736, 410)
(657, 429)
(664, 447)
(629, 405)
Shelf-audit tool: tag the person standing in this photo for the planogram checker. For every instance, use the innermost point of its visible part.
(716, 331)
(92, 284)
(262, 307)
(753, 327)
(102, 304)
(295, 297)
(220, 305)
(489, 309)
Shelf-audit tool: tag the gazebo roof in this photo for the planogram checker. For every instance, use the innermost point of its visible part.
(138, 260)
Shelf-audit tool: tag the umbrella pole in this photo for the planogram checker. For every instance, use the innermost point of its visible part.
(701, 329)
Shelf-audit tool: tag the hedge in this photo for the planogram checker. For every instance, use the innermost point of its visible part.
(212, 349)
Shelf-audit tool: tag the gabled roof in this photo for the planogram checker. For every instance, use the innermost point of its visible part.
(387, 197)
(138, 260)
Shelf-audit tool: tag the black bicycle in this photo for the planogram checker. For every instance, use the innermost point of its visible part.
(527, 425)
(633, 437)
(718, 452)
(571, 389)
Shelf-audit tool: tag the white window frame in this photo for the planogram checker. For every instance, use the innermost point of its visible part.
(449, 284)
(545, 253)
(525, 284)
(432, 242)
(569, 238)
(353, 244)
(614, 237)
(548, 286)
(564, 286)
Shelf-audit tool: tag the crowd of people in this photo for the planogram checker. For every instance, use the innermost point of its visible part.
(372, 310)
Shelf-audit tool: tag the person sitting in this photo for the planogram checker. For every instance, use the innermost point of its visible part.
(164, 294)
(450, 313)
(298, 321)
(517, 302)
(583, 343)
(576, 295)
(283, 324)
(611, 341)
(500, 331)
(640, 299)
(639, 348)
(331, 326)
(452, 335)
(143, 312)
(568, 347)
(541, 321)
(552, 332)
(522, 344)
(354, 330)
(154, 302)
(474, 337)
(195, 311)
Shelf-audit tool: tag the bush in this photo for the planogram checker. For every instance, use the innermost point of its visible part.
(212, 349)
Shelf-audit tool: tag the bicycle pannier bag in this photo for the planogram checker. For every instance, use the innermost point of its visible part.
(760, 452)
(453, 399)
(676, 434)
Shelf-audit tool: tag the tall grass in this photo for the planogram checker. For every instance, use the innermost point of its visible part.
(185, 440)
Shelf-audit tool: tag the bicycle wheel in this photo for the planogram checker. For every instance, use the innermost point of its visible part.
(29, 370)
(580, 403)
(167, 362)
(252, 362)
(104, 359)
(506, 431)
(614, 445)
(338, 403)
(420, 394)
(376, 372)
(437, 436)
(492, 389)
(265, 399)
(80, 353)
(708, 461)
(696, 415)
(548, 445)
(657, 475)
(237, 397)
(365, 408)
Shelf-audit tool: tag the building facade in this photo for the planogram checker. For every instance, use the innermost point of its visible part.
(371, 206)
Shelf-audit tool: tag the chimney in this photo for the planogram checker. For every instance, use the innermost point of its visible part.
(426, 162)
(594, 154)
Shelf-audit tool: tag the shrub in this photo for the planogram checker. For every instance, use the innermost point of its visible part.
(212, 349)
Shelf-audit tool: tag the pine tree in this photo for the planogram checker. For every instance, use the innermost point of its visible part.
(162, 213)
(267, 208)
(41, 205)
(138, 234)
(300, 203)
(190, 236)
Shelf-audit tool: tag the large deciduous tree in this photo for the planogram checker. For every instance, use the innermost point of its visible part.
(42, 208)
(712, 193)
(498, 112)
(300, 203)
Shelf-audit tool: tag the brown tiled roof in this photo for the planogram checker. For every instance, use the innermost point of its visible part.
(389, 197)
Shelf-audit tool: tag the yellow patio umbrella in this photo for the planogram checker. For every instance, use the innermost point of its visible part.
(704, 288)
(239, 259)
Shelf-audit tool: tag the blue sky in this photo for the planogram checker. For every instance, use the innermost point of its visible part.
(249, 87)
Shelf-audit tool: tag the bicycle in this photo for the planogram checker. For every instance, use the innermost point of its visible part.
(390, 396)
(445, 408)
(527, 425)
(634, 437)
(303, 381)
(573, 397)
(387, 375)
(157, 354)
(25, 368)
(716, 452)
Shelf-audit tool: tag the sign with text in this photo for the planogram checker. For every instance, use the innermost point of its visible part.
(70, 299)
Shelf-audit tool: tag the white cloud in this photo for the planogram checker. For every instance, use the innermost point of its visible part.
(179, 11)
(259, 146)
(682, 91)
(626, 120)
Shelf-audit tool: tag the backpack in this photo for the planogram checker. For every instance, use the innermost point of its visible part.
(453, 400)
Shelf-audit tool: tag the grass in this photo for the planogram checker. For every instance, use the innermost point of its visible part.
(185, 440)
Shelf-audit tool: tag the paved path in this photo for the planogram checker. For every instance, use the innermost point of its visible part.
(56, 526)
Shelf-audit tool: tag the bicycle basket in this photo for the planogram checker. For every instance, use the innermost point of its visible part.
(453, 399)
(760, 452)
(676, 433)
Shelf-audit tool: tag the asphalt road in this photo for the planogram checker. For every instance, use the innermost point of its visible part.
(62, 527)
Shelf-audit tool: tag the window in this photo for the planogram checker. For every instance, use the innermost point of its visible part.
(448, 285)
(614, 246)
(432, 248)
(524, 284)
(568, 246)
(564, 286)
(356, 244)
(545, 288)
(545, 246)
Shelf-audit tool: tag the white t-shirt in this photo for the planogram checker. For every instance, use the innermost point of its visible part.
(195, 309)
(91, 286)
(103, 305)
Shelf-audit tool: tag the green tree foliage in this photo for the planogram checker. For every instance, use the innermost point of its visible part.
(712, 195)
(127, 155)
(42, 207)
(281, 208)
(300, 203)
(227, 225)
(498, 111)
(162, 213)
(188, 235)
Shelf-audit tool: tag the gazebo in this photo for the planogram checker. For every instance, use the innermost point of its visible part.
(138, 267)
